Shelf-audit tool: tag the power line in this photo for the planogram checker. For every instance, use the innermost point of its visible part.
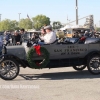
(79, 19)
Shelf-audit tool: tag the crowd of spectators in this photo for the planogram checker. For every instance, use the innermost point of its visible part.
(47, 36)
(16, 37)
(87, 34)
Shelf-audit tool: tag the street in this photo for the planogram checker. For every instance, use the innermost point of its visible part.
(51, 84)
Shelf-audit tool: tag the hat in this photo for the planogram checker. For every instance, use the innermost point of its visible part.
(48, 27)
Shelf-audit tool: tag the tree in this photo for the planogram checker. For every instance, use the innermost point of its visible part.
(56, 25)
(40, 20)
(14, 25)
(5, 25)
(25, 23)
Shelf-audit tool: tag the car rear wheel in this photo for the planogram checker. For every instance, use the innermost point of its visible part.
(93, 64)
(79, 68)
(9, 69)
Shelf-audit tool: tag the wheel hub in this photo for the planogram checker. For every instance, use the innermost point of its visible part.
(96, 64)
(8, 67)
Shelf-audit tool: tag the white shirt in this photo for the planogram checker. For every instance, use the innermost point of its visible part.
(49, 38)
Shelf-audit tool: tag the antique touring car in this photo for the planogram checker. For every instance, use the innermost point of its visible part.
(71, 52)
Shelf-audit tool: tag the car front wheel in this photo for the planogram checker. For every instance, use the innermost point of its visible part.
(9, 69)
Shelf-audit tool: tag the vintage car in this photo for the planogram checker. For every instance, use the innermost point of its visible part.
(75, 52)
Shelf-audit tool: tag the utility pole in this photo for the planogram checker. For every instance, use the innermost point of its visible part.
(67, 19)
(76, 12)
(19, 16)
(0, 17)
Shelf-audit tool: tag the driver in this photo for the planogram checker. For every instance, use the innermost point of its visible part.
(49, 37)
(43, 33)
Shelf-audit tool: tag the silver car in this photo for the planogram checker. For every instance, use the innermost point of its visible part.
(71, 52)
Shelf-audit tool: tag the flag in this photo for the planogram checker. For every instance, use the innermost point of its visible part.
(28, 16)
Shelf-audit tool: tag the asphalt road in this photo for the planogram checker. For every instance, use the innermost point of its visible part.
(51, 84)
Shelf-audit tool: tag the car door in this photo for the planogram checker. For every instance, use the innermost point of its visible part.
(82, 49)
(62, 51)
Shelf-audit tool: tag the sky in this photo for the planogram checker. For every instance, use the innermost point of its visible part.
(56, 10)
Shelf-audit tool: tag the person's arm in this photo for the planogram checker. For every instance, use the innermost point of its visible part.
(41, 37)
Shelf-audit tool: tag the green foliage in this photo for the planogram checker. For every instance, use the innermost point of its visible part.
(40, 20)
(7, 24)
(14, 25)
(37, 22)
(56, 25)
(25, 23)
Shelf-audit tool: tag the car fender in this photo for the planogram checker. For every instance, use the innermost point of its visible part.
(92, 53)
(10, 56)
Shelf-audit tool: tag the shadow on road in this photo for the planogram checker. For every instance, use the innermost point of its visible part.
(60, 76)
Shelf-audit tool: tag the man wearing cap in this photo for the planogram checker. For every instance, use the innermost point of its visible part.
(50, 36)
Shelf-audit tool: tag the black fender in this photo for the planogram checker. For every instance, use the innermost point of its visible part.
(10, 56)
(91, 54)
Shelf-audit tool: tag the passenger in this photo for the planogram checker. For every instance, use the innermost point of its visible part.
(91, 34)
(16, 39)
(79, 34)
(86, 34)
(76, 35)
(94, 34)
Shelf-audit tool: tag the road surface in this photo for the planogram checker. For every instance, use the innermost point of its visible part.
(51, 84)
